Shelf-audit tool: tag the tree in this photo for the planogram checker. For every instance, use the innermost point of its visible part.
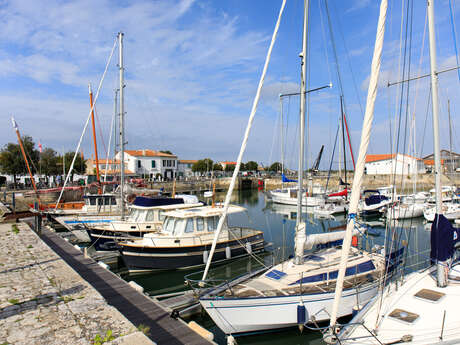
(166, 151)
(217, 167)
(203, 165)
(242, 167)
(49, 162)
(251, 166)
(79, 166)
(276, 167)
(229, 167)
(12, 161)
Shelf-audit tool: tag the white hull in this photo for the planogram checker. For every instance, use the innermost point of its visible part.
(78, 224)
(285, 197)
(258, 314)
(327, 210)
(405, 211)
(450, 211)
(426, 329)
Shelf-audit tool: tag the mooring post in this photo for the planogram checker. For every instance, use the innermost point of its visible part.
(13, 202)
(38, 219)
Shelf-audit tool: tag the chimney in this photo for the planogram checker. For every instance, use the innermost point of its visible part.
(143, 152)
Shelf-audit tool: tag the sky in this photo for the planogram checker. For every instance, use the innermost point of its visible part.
(192, 70)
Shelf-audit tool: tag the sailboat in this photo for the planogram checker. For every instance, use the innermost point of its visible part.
(423, 308)
(299, 290)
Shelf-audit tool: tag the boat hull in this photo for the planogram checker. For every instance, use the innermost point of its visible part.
(240, 315)
(144, 259)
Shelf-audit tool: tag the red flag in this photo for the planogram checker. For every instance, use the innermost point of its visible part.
(40, 146)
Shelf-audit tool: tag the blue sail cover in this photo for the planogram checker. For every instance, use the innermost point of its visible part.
(443, 238)
(285, 179)
(156, 201)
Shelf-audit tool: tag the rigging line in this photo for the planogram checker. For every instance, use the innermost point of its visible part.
(454, 34)
(426, 119)
(323, 31)
(100, 130)
(87, 122)
(347, 55)
(332, 157)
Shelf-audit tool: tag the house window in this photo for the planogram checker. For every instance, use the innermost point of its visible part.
(164, 163)
(139, 164)
(153, 164)
(173, 163)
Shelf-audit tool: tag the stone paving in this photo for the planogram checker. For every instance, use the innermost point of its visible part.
(44, 301)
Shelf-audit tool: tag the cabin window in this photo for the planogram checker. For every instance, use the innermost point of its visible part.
(179, 226)
(92, 201)
(107, 200)
(189, 226)
(169, 225)
(113, 200)
(153, 164)
(212, 223)
(199, 224)
(100, 201)
(161, 216)
(150, 217)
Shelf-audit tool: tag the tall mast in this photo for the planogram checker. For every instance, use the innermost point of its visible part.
(343, 141)
(300, 235)
(122, 128)
(94, 139)
(282, 140)
(440, 276)
(359, 171)
(450, 137)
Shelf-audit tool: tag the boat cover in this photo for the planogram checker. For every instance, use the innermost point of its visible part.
(161, 201)
(443, 238)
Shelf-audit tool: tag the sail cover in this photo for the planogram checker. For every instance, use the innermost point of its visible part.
(285, 179)
(443, 238)
(342, 193)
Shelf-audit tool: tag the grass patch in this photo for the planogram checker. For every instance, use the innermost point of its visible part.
(99, 340)
(30, 246)
(81, 297)
(66, 299)
(144, 329)
(15, 229)
(13, 301)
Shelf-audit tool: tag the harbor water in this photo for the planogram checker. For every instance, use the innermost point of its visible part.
(278, 224)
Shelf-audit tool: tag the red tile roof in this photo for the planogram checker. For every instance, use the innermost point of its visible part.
(148, 153)
(431, 161)
(385, 156)
(188, 161)
(228, 163)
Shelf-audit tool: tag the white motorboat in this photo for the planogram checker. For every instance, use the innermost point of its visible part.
(288, 196)
(185, 238)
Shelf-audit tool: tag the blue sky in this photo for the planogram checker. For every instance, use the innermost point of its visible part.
(192, 69)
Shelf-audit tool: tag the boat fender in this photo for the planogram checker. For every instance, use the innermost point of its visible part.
(231, 340)
(103, 265)
(249, 247)
(228, 252)
(205, 256)
(354, 241)
(356, 309)
(301, 315)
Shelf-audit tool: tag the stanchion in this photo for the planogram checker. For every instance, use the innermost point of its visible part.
(38, 219)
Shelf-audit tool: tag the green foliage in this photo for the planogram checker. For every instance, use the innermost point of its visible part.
(50, 163)
(251, 166)
(217, 167)
(98, 340)
(166, 151)
(13, 301)
(144, 329)
(276, 167)
(203, 165)
(79, 166)
(12, 161)
(15, 228)
(229, 167)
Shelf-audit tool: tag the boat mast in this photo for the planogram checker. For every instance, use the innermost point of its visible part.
(343, 141)
(99, 191)
(122, 128)
(441, 265)
(282, 141)
(300, 235)
(450, 138)
(359, 171)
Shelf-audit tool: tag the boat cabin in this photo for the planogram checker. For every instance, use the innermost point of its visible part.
(100, 203)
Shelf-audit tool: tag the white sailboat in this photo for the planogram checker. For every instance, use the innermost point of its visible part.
(299, 290)
(422, 309)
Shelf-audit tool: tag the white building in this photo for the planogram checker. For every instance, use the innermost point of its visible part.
(150, 163)
(184, 167)
(397, 163)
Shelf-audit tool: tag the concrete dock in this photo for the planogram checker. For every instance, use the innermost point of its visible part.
(50, 294)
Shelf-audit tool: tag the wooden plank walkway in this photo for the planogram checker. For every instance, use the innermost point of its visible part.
(135, 306)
